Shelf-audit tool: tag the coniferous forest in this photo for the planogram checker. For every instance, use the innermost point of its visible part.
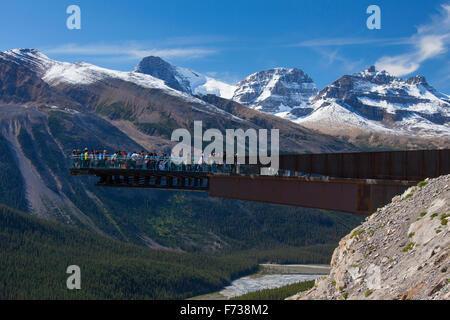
(277, 293)
(207, 242)
(35, 254)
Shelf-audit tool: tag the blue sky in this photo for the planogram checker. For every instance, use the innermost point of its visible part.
(232, 39)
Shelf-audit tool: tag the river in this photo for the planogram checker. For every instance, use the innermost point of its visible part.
(270, 276)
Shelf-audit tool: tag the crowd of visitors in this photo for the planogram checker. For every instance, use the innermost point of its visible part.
(143, 160)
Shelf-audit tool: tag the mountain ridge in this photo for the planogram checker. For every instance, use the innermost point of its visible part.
(370, 109)
(148, 103)
(356, 106)
(276, 91)
(375, 101)
(45, 115)
(183, 79)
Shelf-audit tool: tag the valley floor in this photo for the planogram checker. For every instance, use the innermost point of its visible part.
(269, 276)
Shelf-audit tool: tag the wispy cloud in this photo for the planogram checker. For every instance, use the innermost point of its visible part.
(430, 41)
(329, 57)
(332, 42)
(129, 51)
(225, 76)
(330, 49)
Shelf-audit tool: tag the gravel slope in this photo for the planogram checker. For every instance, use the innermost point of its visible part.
(400, 252)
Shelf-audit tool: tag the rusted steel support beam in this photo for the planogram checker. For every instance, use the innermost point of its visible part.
(345, 195)
(415, 165)
(160, 187)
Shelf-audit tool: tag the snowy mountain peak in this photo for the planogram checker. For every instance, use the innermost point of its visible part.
(32, 58)
(374, 100)
(22, 51)
(371, 69)
(276, 90)
(81, 77)
(151, 62)
(25, 52)
(183, 79)
(81, 73)
(417, 80)
(158, 68)
(376, 76)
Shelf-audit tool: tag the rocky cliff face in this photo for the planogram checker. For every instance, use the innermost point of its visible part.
(375, 101)
(276, 90)
(183, 79)
(400, 252)
(158, 68)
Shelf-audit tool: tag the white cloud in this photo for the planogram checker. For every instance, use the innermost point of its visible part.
(332, 56)
(129, 51)
(330, 42)
(173, 53)
(431, 40)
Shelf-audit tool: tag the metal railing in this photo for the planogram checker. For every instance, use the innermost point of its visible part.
(158, 163)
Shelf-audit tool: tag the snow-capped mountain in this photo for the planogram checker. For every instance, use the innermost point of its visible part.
(353, 106)
(139, 105)
(276, 91)
(363, 103)
(56, 72)
(184, 79)
(63, 79)
(375, 101)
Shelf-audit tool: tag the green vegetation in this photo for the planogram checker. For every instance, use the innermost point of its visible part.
(409, 195)
(356, 233)
(345, 295)
(277, 293)
(222, 239)
(409, 246)
(422, 184)
(164, 127)
(434, 215)
(31, 151)
(423, 214)
(444, 219)
(189, 221)
(116, 110)
(12, 191)
(368, 293)
(35, 254)
(411, 235)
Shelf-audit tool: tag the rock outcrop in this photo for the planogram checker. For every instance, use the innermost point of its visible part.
(400, 252)
(377, 102)
(158, 68)
(275, 91)
(183, 79)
